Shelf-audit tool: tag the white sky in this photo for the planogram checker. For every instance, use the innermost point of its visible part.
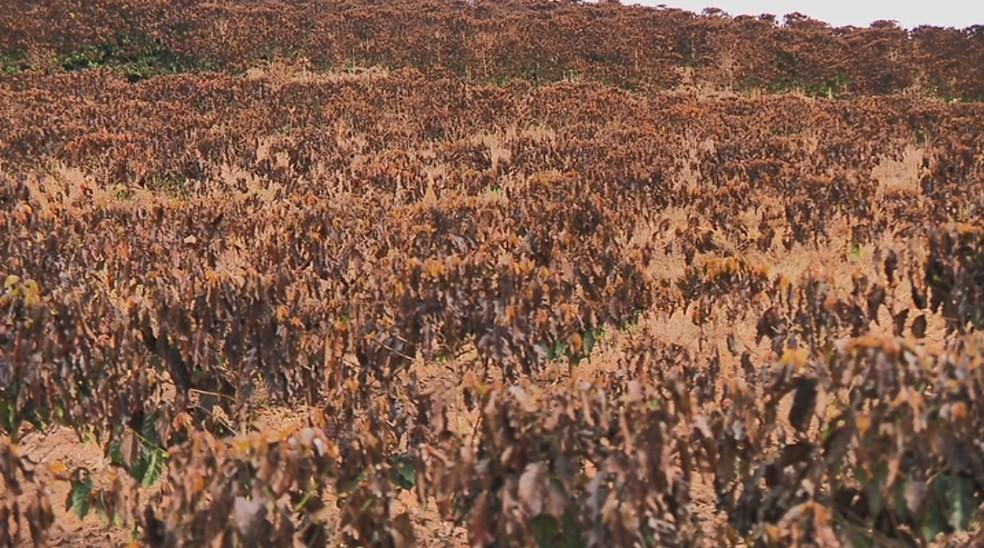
(860, 13)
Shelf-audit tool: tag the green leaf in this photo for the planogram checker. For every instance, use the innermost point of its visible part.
(856, 533)
(8, 414)
(79, 497)
(873, 486)
(116, 454)
(303, 502)
(155, 467)
(559, 350)
(933, 523)
(545, 530)
(589, 340)
(367, 504)
(548, 532)
(140, 453)
(148, 430)
(959, 501)
(403, 475)
(951, 506)
(351, 486)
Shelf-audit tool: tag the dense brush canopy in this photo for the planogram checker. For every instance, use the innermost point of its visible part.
(487, 273)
